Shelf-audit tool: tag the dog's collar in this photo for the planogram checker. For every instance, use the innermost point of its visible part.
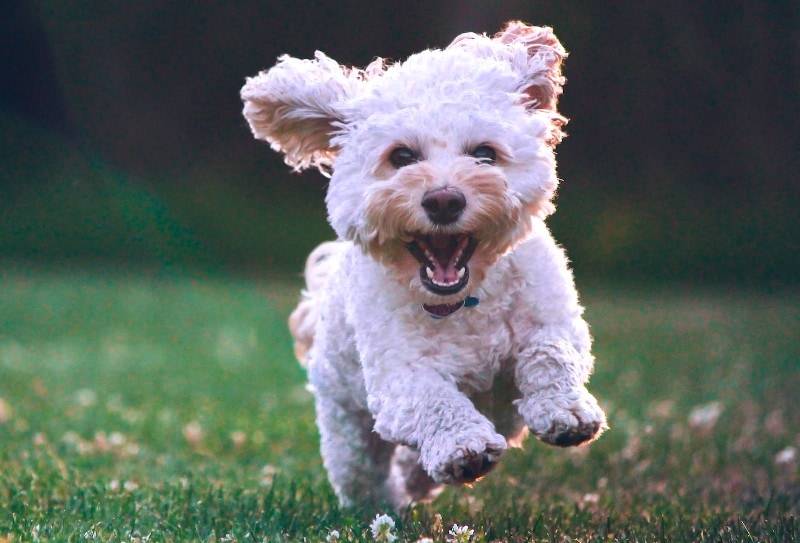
(445, 310)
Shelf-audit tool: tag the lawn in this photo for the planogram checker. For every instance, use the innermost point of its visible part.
(139, 407)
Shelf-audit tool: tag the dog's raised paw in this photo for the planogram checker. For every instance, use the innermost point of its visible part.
(469, 462)
(472, 466)
(562, 436)
(565, 420)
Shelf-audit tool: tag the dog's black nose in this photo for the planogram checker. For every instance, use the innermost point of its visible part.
(444, 206)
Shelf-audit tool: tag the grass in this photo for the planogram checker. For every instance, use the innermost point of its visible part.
(136, 408)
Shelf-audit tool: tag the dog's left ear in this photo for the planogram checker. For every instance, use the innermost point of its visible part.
(544, 57)
(294, 107)
(533, 52)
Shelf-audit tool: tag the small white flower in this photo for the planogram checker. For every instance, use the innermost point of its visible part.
(460, 534)
(705, 417)
(382, 528)
(332, 536)
(86, 397)
(268, 473)
(786, 457)
(193, 433)
(238, 438)
(591, 497)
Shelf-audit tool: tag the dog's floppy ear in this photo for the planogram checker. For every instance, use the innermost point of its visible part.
(544, 56)
(534, 54)
(293, 106)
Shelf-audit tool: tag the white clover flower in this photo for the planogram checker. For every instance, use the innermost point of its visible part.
(382, 528)
(704, 417)
(193, 433)
(86, 397)
(786, 457)
(460, 534)
(333, 536)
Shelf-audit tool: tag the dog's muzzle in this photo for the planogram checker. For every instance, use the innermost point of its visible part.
(443, 260)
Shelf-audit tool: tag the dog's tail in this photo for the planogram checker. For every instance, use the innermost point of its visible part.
(303, 319)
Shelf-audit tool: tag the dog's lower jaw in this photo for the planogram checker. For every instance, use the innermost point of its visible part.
(427, 280)
(443, 259)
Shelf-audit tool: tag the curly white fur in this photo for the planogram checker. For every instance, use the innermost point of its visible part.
(406, 402)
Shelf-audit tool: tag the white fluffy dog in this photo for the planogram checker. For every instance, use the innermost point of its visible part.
(444, 323)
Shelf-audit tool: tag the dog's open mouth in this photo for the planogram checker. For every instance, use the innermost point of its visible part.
(443, 259)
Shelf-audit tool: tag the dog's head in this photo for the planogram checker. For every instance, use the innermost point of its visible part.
(440, 164)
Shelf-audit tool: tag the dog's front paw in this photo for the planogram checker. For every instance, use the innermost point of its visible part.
(463, 459)
(565, 419)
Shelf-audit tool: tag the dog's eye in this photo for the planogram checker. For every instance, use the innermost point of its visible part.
(403, 156)
(484, 154)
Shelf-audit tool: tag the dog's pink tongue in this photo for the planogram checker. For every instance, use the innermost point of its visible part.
(444, 250)
(444, 275)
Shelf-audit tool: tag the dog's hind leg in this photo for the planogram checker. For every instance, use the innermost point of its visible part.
(303, 320)
(408, 481)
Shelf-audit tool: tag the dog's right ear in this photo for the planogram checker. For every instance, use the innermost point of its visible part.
(293, 106)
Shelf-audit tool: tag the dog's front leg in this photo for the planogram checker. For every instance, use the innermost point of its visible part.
(551, 373)
(415, 405)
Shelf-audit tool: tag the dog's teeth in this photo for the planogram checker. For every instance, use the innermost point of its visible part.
(461, 273)
(429, 272)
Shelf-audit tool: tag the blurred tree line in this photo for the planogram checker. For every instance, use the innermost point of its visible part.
(123, 139)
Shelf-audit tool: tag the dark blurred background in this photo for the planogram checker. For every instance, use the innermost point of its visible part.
(123, 142)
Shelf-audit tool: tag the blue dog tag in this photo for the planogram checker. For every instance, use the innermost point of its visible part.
(471, 301)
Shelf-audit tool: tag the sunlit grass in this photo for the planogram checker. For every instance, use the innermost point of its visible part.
(171, 409)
